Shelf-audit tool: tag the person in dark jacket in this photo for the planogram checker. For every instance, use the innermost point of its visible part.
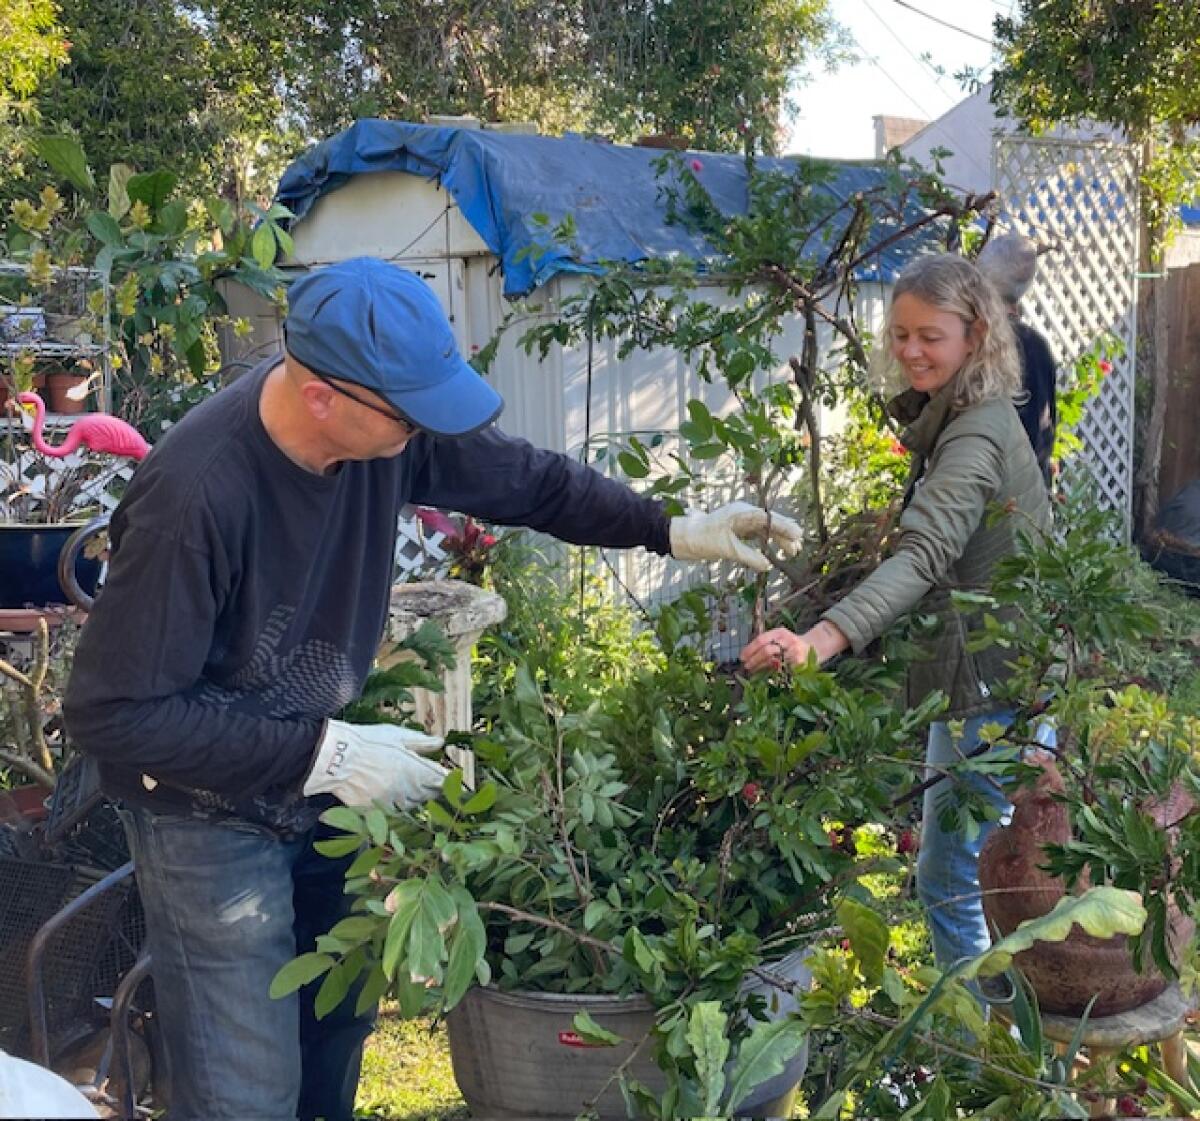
(247, 594)
(1010, 263)
(948, 334)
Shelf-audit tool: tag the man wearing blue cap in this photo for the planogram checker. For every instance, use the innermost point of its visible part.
(247, 593)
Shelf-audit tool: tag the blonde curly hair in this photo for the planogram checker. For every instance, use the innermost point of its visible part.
(952, 283)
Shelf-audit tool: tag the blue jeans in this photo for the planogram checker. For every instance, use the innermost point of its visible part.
(948, 864)
(227, 904)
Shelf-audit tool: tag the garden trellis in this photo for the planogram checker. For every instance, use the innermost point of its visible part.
(1081, 198)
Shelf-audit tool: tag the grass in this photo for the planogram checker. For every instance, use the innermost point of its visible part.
(406, 1073)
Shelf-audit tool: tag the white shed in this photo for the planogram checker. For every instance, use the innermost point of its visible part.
(456, 205)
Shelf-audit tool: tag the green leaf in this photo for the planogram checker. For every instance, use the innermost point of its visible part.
(334, 988)
(299, 972)
(151, 188)
(426, 945)
(345, 819)
(103, 227)
(763, 1054)
(710, 1047)
(377, 825)
(483, 800)
(452, 788)
(262, 246)
(591, 1032)
(633, 466)
(66, 158)
(172, 218)
(701, 418)
(1101, 911)
(410, 995)
(355, 928)
(372, 992)
(868, 935)
(404, 899)
(594, 912)
(337, 846)
(831, 1110)
(467, 948)
(364, 862)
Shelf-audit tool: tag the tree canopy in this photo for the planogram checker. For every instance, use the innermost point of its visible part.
(1133, 64)
(223, 92)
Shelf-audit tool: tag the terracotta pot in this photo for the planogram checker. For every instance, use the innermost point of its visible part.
(57, 384)
(28, 802)
(1066, 975)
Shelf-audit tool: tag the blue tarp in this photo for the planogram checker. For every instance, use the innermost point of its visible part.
(501, 180)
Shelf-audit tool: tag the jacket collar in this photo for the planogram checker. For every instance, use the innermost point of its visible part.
(924, 417)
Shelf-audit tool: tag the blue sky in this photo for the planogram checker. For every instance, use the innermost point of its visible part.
(891, 75)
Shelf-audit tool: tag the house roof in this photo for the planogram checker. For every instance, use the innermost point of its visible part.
(613, 194)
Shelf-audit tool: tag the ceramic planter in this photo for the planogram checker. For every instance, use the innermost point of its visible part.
(1066, 975)
(517, 1054)
(29, 556)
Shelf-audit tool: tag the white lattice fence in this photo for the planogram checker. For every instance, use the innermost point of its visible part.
(1080, 197)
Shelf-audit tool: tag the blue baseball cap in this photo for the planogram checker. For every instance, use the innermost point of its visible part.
(380, 326)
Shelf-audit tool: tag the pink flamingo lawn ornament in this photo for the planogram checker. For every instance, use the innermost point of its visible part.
(97, 432)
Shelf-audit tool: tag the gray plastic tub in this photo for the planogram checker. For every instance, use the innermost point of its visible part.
(517, 1055)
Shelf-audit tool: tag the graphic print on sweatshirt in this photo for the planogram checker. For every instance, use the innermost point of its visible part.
(313, 679)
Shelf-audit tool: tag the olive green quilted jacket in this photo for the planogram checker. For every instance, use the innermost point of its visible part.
(965, 465)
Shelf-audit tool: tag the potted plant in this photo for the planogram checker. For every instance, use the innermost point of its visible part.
(44, 501)
(31, 753)
(671, 836)
(1104, 652)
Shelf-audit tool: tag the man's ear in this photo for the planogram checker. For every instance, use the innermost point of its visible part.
(318, 398)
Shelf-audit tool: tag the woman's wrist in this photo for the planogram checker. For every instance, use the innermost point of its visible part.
(826, 639)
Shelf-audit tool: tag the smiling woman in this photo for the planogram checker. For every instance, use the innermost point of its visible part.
(949, 337)
(931, 345)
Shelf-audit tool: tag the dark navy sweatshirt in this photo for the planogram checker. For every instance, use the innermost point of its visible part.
(246, 597)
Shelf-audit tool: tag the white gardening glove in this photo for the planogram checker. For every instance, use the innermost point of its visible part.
(719, 535)
(360, 764)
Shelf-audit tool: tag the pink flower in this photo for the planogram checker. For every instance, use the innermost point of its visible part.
(487, 540)
(695, 165)
(1105, 367)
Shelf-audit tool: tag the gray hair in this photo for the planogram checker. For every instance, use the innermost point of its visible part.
(1009, 262)
(951, 283)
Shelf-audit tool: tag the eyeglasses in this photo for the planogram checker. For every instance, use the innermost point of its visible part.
(406, 425)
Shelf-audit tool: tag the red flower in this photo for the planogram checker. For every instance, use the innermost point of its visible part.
(897, 448)
(751, 793)
(1105, 367)
(436, 522)
(487, 540)
(906, 842)
(695, 165)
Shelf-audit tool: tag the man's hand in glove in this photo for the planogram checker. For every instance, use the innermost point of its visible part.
(360, 764)
(720, 535)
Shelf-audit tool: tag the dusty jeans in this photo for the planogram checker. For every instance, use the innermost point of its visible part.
(226, 905)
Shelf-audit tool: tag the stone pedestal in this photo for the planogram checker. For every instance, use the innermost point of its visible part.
(463, 611)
